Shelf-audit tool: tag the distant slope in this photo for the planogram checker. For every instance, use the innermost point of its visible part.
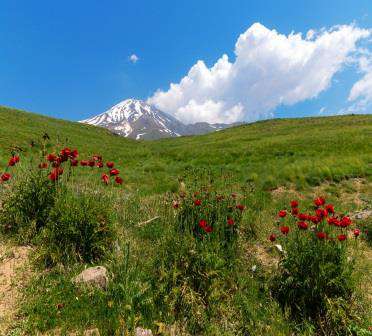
(271, 153)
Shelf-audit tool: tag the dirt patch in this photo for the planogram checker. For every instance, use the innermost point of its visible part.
(13, 272)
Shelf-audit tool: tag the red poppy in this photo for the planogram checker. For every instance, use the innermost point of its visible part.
(175, 205)
(321, 235)
(110, 165)
(240, 207)
(333, 221)
(282, 213)
(341, 237)
(230, 221)
(74, 154)
(74, 162)
(114, 172)
(319, 201)
(320, 213)
(315, 219)
(302, 225)
(55, 173)
(65, 152)
(5, 177)
(84, 163)
(105, 178)
(16, 158)
(13, 160)
(202, 223)
(57, 162)
(118, 180)
(197, 202)
(356, 232)
(208, 229)
(345, 221)
(99, 164)
(51, 157)
(91, 163)
(303, 216)
(295, 211)
(284, 229)
(43, 165)
(330, 208)
(294, 204)
(97, 157)
(272, 237)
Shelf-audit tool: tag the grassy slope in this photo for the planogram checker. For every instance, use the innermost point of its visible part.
(275, 152)
(300, 152)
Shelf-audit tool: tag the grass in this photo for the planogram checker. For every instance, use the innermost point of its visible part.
(268, 162)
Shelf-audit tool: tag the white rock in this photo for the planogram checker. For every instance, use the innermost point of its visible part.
(95, 276)
(143, 332)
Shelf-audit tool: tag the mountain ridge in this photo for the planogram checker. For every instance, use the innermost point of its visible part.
(136, 119)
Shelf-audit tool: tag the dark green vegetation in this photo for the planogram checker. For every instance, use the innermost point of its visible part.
(165, 271)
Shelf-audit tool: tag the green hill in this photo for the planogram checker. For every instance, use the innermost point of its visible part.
(274, 152)
(167, 274)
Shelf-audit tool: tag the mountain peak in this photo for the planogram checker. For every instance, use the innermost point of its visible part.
(136, 119)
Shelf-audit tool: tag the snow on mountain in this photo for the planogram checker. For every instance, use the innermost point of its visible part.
(138, 120)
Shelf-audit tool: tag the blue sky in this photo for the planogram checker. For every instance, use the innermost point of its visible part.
(71, 59)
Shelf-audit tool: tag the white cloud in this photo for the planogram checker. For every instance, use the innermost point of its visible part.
(362, 89)
(133, 58)
(269, 69)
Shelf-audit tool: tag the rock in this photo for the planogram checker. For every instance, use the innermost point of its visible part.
(91, 332)
(143, 332)
(95, 276)
(362, 215)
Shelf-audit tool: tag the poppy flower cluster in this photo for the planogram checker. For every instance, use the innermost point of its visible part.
(67, 155)
(205, 212)
(320, 221)
(6, 176)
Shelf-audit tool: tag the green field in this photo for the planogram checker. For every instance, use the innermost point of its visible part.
(267, 163)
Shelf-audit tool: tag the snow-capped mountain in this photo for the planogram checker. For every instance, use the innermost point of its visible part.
(138, 120)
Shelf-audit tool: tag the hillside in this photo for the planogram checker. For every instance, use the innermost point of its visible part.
(274, 152)
(185, 238)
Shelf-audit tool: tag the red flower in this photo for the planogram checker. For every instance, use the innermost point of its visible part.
(99, 164)
(303, 216)
(319, 201)
(57, 162)
(284, 229)
(97, 157)
(105, 178)
(282, 213)
(314, 219)
(295, 211)
(118, 180)
(202, 223)
(197, 202)
(294, 204)
(230, 221)
(356, 232)
(272, 237)
(175, 205)
(345, 222)
(55, 173)
(84, 163)
(321, 235)
(208, 229)
(333, 221)
(74, 162)
(114, 172)
(341, 237)
(240, 207)
(74, 154)
(5, 177)
(51, 157)
(43, 165)
(91, 163)
(302, 225)
(110, 165)
(65, 152)
(13, 160)
(330, 208)
(321, 213)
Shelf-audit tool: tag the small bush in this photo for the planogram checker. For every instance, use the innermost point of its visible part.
(316, 269)
(79, 228)
(26, 205)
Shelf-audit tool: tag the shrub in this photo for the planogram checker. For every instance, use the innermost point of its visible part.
(79, 228)
(191, 270)
(315, 269)
(26, 206)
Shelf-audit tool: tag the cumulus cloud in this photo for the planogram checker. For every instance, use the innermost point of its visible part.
(133, 58)
(362, 89)
(269, 69)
